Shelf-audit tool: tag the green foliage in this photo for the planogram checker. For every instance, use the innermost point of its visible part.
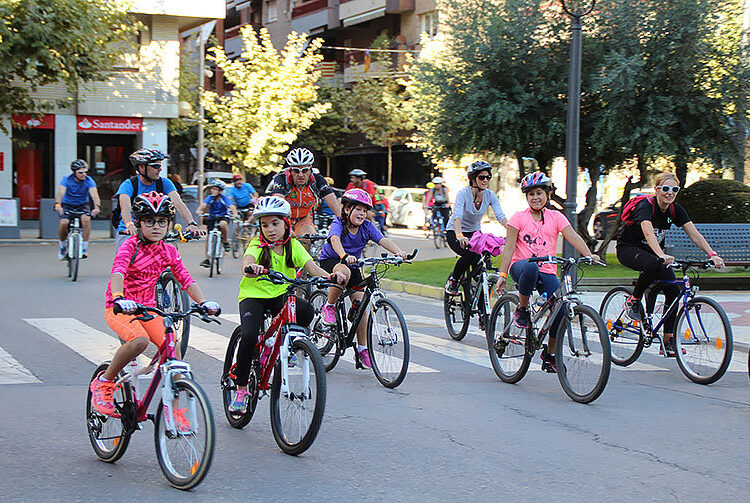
(50, 41)
(717, 201)
(326, 134)
(183, 133)
(274, 99)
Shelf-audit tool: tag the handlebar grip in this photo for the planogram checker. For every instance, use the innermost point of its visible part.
(413, 254)
(116, 309)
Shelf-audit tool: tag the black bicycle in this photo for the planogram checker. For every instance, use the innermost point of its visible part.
(475, 289)
(582, 350)
(387, 333)
(438, 229)
(75, 241)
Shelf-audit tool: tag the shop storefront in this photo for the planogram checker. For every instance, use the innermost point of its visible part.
(33, 166)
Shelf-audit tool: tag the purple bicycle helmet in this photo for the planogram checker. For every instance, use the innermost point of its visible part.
(357, 196)
(534, 180)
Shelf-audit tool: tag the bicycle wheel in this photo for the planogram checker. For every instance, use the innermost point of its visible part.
(456, 311)
(75, 257)
(436, 237)
(219, 261)
(172, 299)
(388, 343)
(296, 416)
(582, 354)
(324, 337)
(508, 354)
(236, 242)
(705, 335)
(110, 436)
(185, 457)
(228, 387)
(626, 340)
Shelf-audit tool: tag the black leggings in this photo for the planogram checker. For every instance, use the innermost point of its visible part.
(652, 269)
(466, 259)
(251, 319)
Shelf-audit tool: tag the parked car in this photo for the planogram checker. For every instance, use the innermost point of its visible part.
(608, 219)
(406, 207)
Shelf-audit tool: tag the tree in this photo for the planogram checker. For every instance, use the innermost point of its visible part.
(326, 134)
(377, 107)
(274, 98)
(69, 41)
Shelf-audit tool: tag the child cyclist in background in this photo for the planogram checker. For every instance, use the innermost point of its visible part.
(274, 248)
(138, 264)
(533, 232)
(347, 237)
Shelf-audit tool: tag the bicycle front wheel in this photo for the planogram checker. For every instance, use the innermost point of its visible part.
(582, 354)
(388, 343)
(624, 334)
(324, 337)
(456, 311)
(704, 342)
(109, 436)
(509, 356)
(185, 455)
(228, 386)
(296, 414)
(236, 244)
(173, 299)
(75, 258)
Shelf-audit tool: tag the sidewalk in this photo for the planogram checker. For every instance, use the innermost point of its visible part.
(31, 237)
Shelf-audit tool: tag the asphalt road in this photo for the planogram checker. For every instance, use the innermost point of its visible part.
(450, 432)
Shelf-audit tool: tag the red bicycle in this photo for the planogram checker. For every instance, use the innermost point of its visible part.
(298, 390)
(184, 449)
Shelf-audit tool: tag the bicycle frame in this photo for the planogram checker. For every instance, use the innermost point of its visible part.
(214, 243)
(283, 326)
(372, 291)
(75, 233)
(483, 266)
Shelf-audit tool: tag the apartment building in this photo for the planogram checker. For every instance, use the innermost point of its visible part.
(347, 27)
(110, 119)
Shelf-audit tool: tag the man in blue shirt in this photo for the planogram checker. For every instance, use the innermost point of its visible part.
(218, 206)
(243, 195)
(147, 165)
(73, 195)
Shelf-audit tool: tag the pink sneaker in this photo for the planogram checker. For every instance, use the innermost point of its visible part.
(364, 357)
(329, 314)
(101, 396)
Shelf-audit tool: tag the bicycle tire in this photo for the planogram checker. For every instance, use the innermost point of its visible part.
(196, 467)
(75, 259)
(590, 350)
(172, 298)
(625, 348)
(389, 370)
(509, 365)
(228, 386)
(116, 432)
(325, 338)
(306, 352)
(236, 242)
(450, 304)
(686, 333)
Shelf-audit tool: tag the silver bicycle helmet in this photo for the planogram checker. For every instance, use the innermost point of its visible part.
(272, 205)
(476, 167)
(300, 157)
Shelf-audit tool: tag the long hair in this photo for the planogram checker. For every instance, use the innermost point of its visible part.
(265, 252)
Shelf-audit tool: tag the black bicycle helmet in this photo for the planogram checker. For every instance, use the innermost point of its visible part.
(152, 204)
(78, 164)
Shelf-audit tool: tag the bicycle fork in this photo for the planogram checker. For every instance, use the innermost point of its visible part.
(170, 370)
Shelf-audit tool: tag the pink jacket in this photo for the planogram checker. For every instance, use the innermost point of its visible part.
(481, 242)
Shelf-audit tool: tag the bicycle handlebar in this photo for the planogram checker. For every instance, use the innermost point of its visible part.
(684, 264)
(143, 313)
(554, 259)
(387, 259)
(313, 237)
(278, 278)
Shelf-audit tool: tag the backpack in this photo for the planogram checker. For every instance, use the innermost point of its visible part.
(117, 214)
(627, 210)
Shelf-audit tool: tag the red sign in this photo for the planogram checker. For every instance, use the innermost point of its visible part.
(95, 123)
(46, 121)
(2, 161)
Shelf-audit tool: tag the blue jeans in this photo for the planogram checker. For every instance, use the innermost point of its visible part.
(528, 278)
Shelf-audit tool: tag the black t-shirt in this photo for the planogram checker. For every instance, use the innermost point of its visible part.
(661, 220)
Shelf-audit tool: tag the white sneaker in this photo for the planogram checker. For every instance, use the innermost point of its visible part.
(61, 253)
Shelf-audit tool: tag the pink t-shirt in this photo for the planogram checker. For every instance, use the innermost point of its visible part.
(141, 276)
(536, 239)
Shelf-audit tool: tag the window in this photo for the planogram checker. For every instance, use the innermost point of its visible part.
(272, 10)
(428, 23)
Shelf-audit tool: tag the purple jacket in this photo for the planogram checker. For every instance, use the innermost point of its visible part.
(481, 242)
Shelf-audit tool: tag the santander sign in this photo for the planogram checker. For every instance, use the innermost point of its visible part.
(96, 123)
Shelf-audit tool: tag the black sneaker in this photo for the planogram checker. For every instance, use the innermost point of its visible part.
(633, 308)
(206, 263)
(522, 318)
(548, 361)
(671, 349)
(226, 246)
(451, 287)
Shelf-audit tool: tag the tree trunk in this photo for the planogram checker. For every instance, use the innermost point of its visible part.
(585, 215)
(521, 168)
(642, 173)
(602, 250)
(680, 163)
(328, 165)
(390, 163)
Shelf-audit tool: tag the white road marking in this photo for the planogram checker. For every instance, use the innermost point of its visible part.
(12, 372)
(209, 343)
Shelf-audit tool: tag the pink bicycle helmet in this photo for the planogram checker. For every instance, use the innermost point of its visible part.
(357, 196)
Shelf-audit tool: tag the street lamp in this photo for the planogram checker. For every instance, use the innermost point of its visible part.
(576, 9)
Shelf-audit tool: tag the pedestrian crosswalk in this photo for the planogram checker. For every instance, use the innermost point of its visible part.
(96, 346)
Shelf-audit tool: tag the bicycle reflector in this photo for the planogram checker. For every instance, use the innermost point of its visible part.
(609, 324)
(688, 333)
(718, 343)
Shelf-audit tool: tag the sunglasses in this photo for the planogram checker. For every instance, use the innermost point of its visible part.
(150, 222)
(298, 171)
(484, 178)
(82, 171)
(667, 188)
(156, 165)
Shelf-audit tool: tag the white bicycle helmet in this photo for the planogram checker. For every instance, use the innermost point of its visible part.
(438, 179)
(272, 205)
(300, 157)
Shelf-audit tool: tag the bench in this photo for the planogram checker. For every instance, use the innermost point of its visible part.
(730, 241)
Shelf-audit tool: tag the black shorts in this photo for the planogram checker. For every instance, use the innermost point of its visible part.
(211, 221)
(354, 280)
(74, 207)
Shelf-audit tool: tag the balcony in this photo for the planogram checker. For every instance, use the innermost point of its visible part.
(314, 17)
(308, 8)
(399, 6)
(358, 11)
(233, 45)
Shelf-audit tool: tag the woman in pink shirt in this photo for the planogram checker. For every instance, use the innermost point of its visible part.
(533, 233)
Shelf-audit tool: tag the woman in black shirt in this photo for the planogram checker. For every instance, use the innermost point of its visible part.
(639, 247)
